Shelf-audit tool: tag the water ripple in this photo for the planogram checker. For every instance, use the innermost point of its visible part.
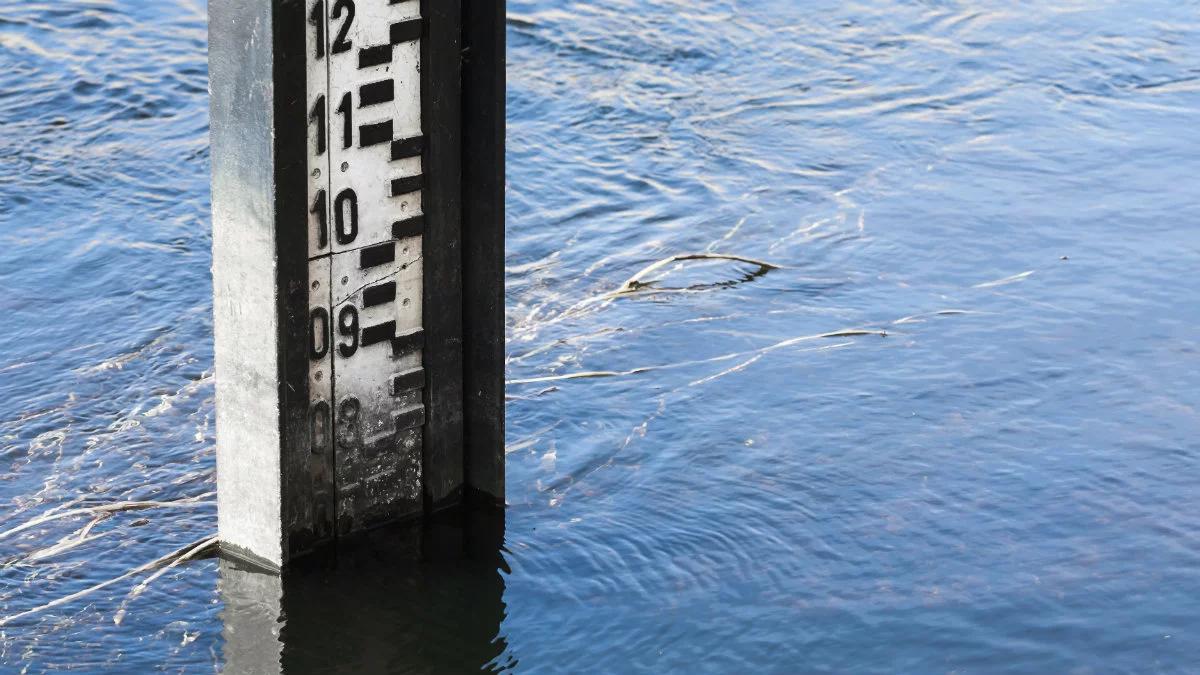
(951, 428)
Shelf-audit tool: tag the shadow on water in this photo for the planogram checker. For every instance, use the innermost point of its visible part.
(399, 600)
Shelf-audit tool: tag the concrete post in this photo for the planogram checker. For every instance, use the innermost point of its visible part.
(357, 155)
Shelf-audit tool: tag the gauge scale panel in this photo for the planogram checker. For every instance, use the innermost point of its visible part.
(365, 259)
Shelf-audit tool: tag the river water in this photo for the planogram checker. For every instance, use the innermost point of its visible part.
(952, 429)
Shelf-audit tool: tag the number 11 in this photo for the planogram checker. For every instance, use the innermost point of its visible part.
(317, 19)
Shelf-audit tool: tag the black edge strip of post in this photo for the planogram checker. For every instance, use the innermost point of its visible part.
(374, 256)
(483, 137)
(369, 57)
(441, 119)
(407, 381)
(375, 93)
(403, 345)
(381, 294)
(374, 134)
(405, 148)
(383, 332)
(406, 31)
(406, 185)
(307, 483)
(409, 227)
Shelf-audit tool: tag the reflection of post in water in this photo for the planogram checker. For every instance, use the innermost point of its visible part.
(403, 599)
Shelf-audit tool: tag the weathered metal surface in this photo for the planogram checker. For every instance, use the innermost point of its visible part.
(365, 190)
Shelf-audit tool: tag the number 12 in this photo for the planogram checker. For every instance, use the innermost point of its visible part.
(317, 18)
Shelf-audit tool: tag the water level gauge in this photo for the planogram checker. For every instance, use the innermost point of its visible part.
(350, 277)
(366, 227)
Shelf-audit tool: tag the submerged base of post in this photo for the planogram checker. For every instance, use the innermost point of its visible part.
(358, 229)
(390, 608)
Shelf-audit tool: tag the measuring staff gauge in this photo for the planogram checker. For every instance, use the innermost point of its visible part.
(358, 298)
(365, 235)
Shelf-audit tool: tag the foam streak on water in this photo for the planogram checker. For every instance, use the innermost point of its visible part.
(951, 428)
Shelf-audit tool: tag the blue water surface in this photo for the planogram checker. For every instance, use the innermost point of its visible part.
(954, 430)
